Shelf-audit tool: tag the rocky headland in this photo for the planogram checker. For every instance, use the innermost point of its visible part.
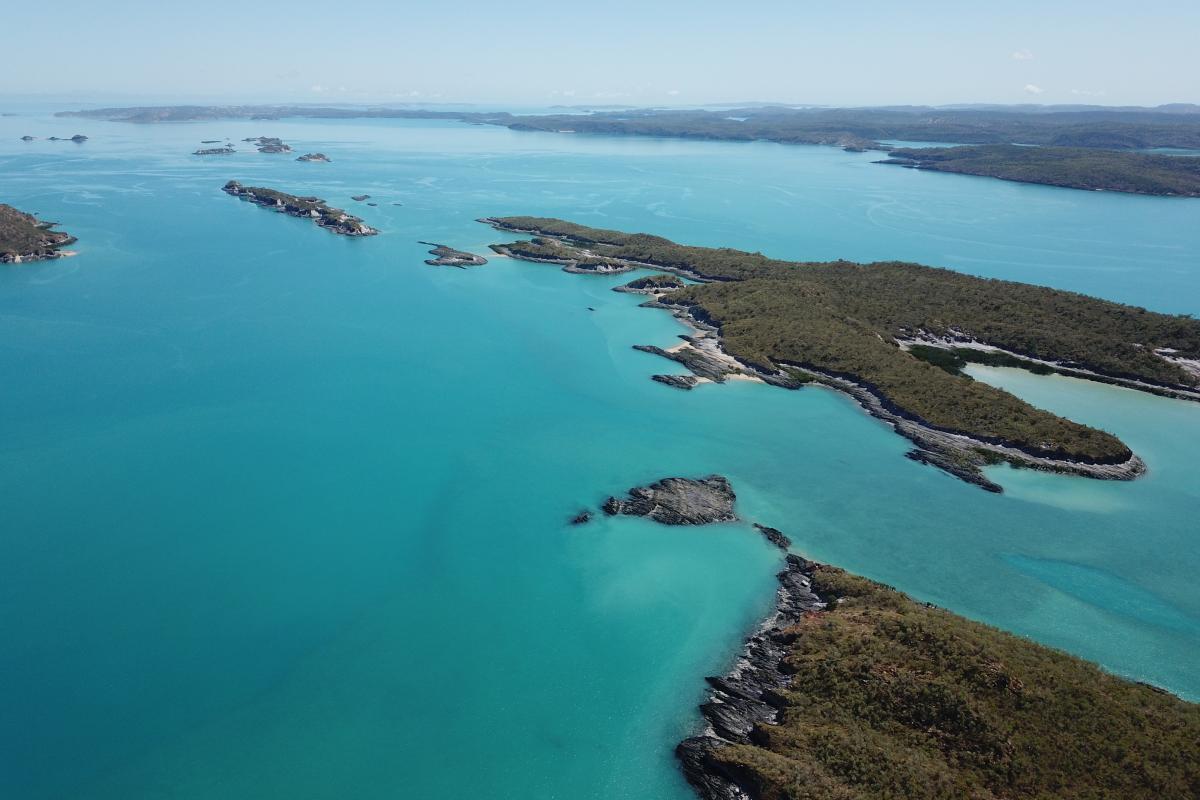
(862, 349)
(331, 219)
(444, 256)
(23, 238)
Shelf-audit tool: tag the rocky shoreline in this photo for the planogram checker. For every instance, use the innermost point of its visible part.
(331, 219)
(25, 238)
(748, 695)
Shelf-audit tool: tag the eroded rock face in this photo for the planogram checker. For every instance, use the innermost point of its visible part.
(679, 501)
(747, 696)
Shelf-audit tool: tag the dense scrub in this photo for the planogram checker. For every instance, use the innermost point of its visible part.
(845, 319)
(893, 698)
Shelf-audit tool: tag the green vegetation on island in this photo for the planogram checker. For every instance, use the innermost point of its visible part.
(23, 237)
(1070, 167)
(840, 321)
(882, 696)
(314, 208)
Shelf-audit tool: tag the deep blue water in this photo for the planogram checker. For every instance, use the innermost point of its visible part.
(284, 514)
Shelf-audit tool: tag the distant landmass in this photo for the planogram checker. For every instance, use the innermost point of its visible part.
(872, 330)
(1071, 167)
(1067, 129)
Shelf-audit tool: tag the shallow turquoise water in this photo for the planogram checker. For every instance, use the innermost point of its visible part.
(284, 513)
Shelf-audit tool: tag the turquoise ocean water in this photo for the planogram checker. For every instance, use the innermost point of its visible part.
(283, 514)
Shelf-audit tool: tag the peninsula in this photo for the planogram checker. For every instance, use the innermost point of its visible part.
(23, 237)
(314, 208)
(1069, 167)
(854, 327)
(852, 690)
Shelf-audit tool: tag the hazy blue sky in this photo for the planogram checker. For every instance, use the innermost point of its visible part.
(611, 51)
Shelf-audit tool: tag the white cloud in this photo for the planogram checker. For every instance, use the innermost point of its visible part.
(1023, 55)
(673, 92)
(1033, 89)
(319, 89)
(1088, 92)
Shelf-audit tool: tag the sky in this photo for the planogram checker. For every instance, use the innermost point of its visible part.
(653, 52)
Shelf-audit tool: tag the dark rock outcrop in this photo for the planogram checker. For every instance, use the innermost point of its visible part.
(314, 157)
(358, 198)
(27, 138)
(678, 381)
(679, 501)
(774, 536)
(747, 696)
(582, 517)
(705, 364)
(215, 151)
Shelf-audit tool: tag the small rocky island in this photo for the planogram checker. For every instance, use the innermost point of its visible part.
(78, 138)
(318, 157)
(215, 151)
(678, 501)
(444, 256)
(269, 144)
(314, 208)
(23, 237)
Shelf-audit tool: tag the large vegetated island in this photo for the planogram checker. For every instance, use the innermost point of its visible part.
(1064, 134)
(872, 330)
(23, 237)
